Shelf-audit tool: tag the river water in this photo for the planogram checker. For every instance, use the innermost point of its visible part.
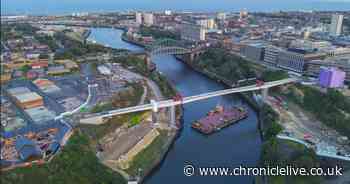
(239, 144)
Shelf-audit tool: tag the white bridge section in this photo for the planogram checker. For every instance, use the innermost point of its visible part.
(168, 103)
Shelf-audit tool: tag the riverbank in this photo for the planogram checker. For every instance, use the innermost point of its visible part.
(182, 149)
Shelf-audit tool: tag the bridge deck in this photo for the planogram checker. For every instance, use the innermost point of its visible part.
(168, 103)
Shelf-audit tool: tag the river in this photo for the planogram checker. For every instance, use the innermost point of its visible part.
(239, 144)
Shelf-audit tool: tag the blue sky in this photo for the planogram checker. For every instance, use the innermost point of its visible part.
(67, 6)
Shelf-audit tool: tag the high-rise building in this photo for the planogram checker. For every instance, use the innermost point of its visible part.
(243, 14)
(221, 16)
(206, 23)
(336, 24)
(138, 18)
(148, 19)
(192, 32)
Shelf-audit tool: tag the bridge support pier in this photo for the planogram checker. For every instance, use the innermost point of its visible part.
(265, 94)
(154, 118)
(172, 117)
(192, 57)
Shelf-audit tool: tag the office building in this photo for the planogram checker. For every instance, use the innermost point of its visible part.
(192, 32)
(271, 55)
(148, 19)
(331, 77)
(336, 25)
(254, 52)
(291, 61)
(138, 18)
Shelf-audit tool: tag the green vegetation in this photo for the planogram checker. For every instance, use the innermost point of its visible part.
(331, 108)
(16, 31)
(138, 65)
(164, 85)
(25, 68)
(96, 132)
(146, 158)
(47, 40)
(286, 153)
(269, 119)
(218, 62)
(101, 107)
(158, 34)
(135, 120)
(74, 48)
(135, 63)
(130, 96)
(76, 163)
(270, 75)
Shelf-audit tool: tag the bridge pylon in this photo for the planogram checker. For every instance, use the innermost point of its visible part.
(265, 94)
(172, 116)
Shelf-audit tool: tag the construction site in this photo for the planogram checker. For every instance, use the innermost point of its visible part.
(24, 149)
(303, 127)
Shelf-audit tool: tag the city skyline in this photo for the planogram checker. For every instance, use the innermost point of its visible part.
(65, 7)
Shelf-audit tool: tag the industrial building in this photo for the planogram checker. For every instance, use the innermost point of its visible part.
(46, 85)
(25, 98)
(40, 114)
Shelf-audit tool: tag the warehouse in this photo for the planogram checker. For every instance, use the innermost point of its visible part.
(25, 98)
(46, 85)
(40, 114)
(29, 100)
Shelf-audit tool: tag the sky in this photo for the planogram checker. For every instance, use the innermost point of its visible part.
(69, 6)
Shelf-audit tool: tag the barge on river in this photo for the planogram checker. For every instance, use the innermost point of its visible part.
(219, 118)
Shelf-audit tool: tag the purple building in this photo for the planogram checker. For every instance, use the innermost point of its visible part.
(331, 77)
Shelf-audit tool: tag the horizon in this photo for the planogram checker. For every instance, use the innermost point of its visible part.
(64, 7)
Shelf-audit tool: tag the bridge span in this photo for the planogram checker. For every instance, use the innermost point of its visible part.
(155, 105)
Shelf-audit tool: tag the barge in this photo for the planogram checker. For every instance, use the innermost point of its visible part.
(219, 118)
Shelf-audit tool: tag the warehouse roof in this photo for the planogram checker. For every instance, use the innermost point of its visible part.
(18, 90)
(27, 97)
